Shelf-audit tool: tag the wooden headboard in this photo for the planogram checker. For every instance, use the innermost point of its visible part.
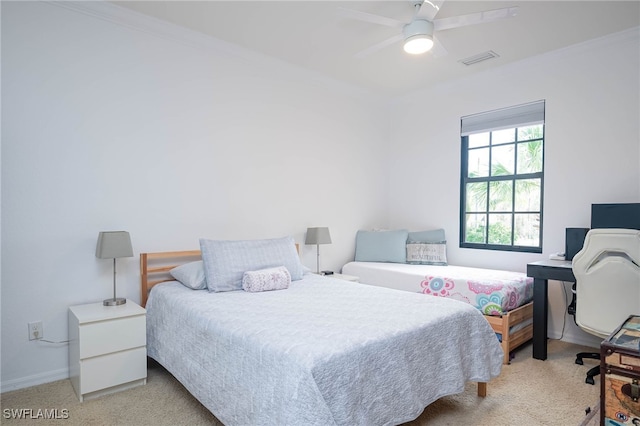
(156, 267)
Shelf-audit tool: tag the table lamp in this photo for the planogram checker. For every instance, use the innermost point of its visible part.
(318, 236)
(112, 245)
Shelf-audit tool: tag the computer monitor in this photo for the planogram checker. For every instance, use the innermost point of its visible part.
(619, 215)
(573, 241)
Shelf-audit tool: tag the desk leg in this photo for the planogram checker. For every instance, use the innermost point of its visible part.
(540, 308)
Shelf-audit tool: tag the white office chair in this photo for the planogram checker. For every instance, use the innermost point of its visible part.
(607, 272)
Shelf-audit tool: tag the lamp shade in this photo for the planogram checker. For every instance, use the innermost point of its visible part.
(318, 236)
(114, 244)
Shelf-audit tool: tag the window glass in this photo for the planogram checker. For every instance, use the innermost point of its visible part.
(527, 232)
(530, 157)
(501, 196)
(479, 139)
(503, 160)
(530, 132)
(477, 197)
(476, 225)
(500, 229)
(478, 162)
(528, 195)
(503, 136)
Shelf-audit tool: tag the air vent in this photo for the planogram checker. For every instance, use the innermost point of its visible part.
(489, 54)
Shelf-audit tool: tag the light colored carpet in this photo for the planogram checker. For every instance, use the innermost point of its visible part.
(528, 392)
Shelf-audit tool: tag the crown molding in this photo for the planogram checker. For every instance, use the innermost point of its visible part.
(136, 21)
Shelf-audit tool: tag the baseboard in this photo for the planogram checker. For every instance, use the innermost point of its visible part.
(36, 379)
(580, 339)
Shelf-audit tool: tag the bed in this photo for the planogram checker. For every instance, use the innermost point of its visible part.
(322, 352)
(503, 297)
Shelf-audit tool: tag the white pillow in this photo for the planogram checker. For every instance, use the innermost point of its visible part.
(225, 262)
(190, 275)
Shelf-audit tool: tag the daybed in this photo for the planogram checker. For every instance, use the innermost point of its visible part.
(320, 352)
(504, 297)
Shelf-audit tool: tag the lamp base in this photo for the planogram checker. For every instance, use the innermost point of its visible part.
(114, 302)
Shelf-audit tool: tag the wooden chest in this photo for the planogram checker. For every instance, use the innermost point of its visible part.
(620, 375)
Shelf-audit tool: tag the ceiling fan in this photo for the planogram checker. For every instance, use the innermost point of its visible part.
(418, 35)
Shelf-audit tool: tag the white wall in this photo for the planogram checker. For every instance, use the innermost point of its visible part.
(592, 148)
(115, 124)
(167, 135)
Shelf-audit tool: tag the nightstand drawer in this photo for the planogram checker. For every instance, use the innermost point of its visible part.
(114, 369)
(104, 337)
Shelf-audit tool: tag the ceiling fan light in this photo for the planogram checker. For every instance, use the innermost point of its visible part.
(418, 36)
(417, 44)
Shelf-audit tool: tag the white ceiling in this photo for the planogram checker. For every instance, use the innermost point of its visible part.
(313, 35)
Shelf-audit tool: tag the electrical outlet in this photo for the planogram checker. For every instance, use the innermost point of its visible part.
(35, 330)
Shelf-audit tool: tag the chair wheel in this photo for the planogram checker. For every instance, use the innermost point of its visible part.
(579, 361)
(590, 381)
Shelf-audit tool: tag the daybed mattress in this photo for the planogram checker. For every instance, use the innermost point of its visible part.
(491, 291)
(322, 352)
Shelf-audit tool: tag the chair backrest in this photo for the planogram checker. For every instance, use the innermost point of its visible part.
(607, 272)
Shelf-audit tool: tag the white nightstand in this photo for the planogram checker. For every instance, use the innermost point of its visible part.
(107, 348)
(346, 277)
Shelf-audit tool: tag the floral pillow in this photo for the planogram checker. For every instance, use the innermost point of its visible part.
(266, 279)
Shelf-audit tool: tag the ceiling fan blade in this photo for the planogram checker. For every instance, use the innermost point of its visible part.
(369, 17)
(369, 50)
(438, 50)
(474, 18)
(429, 9)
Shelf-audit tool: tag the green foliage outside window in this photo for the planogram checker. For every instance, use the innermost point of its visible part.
(502, 188)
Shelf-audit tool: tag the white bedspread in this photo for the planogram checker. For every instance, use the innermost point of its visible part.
(322, 352)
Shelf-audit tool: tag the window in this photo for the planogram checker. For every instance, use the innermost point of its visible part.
(502, 179)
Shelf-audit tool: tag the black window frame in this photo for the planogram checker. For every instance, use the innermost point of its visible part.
(465, 179)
